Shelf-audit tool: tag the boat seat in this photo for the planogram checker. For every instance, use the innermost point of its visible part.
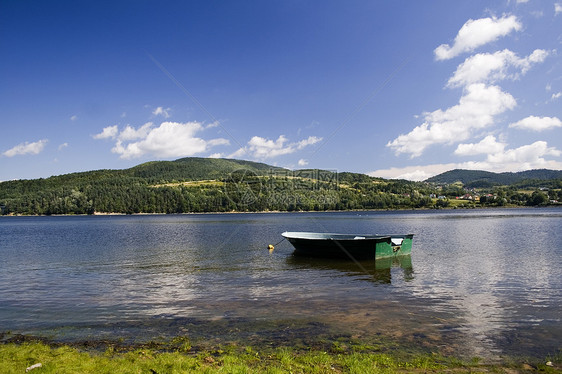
(397, 241)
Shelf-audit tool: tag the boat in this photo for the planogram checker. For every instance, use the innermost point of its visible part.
(349, 246)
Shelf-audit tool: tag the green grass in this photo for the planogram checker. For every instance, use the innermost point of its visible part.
(15, 358)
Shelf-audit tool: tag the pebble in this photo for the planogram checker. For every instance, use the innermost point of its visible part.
(34, 366)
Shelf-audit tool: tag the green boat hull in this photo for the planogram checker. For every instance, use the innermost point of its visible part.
(349, 246)
(399, 245)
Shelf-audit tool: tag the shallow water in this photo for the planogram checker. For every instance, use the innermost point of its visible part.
(479, 282)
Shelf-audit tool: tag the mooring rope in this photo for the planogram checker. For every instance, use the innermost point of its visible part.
(271, 247)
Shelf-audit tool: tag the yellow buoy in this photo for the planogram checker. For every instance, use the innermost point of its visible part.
(271, 248)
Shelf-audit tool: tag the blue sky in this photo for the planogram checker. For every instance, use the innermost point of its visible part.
(396, 89)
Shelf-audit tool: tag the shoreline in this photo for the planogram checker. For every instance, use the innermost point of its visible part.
(22, 352)
(110, 214)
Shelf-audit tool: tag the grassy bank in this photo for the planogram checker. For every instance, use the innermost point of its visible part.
(16, 358)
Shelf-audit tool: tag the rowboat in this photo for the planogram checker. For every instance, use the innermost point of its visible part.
(349, 245)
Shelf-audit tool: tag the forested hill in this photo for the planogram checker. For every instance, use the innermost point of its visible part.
(478, 178)
(225, 185)
(117, 190)
(154, 172)
(206, 185)
(195, 168)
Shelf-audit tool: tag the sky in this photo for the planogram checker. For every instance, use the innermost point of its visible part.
(393, 89)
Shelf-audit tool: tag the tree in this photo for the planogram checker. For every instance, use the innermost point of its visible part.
(538, 198)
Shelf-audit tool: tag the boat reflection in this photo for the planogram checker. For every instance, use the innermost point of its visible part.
(378, 271)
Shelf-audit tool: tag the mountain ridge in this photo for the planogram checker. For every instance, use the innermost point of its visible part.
(481, 178)
(194, 184)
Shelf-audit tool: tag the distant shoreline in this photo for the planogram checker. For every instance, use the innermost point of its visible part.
(114, 214)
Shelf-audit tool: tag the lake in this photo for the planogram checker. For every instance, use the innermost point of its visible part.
(482, 283)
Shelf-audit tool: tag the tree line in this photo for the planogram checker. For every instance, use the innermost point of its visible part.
(88, 194)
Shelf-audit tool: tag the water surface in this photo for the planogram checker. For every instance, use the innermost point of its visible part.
(478, 282)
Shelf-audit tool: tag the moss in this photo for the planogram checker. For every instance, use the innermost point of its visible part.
(15, 358)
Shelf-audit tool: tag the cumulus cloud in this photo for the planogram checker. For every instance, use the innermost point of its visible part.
(302, 162)
(475, 33)
(262, 148)
(557, 8)
(532, 156)
(26, 148)
(62, 146)
(476, 110)
(130, 133)
(160, 111)
(525, 157)
(413, 173)
(74, 118)
(493, 67)
(213, 125)
(170, 139)
(486, 146)
(537, 123)
(108, 132)
(479, 108)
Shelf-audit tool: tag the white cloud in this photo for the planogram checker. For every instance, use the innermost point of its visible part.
(557, 8)
(490, 68)
(526, 157)
(537, 13)
(107, 132)
(486, 146)
(476, 110)
(170, 139)
(537, 123)
(26, 148)
(309, 141)
(556, 96)
(160, 111)
(241, 152)
(130, 133)
(261, 148)
(212, 125)
(417, 175)
(62, 146)
(475, 33)
(414, 173)
(302, 162)
(74, 118)
(217, 141)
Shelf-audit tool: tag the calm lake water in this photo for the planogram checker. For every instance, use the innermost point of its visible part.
(478, 283)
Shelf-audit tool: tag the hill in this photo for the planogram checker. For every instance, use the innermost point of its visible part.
(480, 179)
(195, 168)
(225, 185)
(206, 185)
